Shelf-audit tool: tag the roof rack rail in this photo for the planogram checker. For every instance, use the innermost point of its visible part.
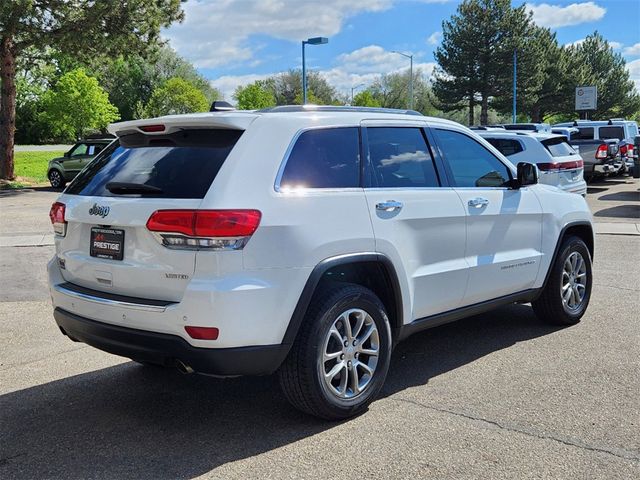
(332, 108)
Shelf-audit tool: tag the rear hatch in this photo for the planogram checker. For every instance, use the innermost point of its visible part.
(107, 245)
(566, 163)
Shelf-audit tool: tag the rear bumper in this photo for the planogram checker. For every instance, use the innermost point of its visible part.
(168, 349)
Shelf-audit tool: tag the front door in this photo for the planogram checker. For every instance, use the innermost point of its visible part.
(504, 225)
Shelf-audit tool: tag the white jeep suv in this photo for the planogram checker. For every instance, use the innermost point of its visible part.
(307, 241)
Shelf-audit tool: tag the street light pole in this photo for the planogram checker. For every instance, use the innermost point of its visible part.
(515, 72)
(410, 57)
(353, 88)
(309, 41)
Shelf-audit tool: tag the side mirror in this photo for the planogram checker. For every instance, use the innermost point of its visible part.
(67, 154)
(527, 174)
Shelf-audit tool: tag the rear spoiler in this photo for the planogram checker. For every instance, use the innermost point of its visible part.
(234, 120)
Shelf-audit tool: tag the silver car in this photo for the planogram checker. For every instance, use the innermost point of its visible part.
(559, 163)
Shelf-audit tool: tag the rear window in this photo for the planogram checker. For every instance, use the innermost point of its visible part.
(181, 165)
(583, 133)
(505, 146)
(607, 133)
(324, 158)
(558, 147)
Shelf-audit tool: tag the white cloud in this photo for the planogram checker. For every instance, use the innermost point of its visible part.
(617, 45)
(216, 32)
(227, 84)
(576, 43)
(634, 72)
(555, 16)
(632, 50)
(434, 38)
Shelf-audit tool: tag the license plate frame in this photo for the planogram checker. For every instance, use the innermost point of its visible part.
(107, 243)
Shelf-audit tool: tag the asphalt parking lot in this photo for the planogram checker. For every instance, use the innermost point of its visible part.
(494, 396)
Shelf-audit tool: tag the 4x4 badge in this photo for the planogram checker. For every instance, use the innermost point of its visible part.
(99, 211)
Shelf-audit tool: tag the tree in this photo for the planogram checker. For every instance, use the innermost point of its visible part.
(477, 44)
(77, 104)
(365, 99)
(174, 97)
(254, 96)
(606, 70)
(392, 91)
(70, 27)
(287, 88)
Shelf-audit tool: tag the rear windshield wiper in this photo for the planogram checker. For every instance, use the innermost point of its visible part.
(122, 188)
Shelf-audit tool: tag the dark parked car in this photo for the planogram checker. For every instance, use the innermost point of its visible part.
(64, 169)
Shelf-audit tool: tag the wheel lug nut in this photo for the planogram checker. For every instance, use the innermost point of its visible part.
(346, 344)
(355, 342)
(349, 364)
(357, 355)
(342, 357)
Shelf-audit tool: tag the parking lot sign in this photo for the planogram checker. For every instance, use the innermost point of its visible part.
(586, 98)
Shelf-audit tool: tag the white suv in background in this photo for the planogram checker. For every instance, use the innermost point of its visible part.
(559, 163)
(307, 241)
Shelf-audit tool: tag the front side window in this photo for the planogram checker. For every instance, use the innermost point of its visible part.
(324, 158)
(79, 150)
(470, 164)
(400, 157)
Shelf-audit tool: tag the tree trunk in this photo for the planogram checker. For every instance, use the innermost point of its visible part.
(7, 107)
(536, 116)
(472, 105)
(484, 110)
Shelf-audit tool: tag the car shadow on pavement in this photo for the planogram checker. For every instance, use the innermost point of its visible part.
(633, 196)
(620, 211)
(144, 422)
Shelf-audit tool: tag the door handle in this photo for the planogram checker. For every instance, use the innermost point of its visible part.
(478, 202)
(389, 206)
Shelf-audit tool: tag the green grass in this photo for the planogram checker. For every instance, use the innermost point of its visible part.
(32, 166)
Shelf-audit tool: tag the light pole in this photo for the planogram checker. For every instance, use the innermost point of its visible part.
(515, 77)
(309, 41)
(410, 57)
(353, 88)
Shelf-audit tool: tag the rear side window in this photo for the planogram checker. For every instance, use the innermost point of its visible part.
(180, 165)
(583, 133)
(558, 147)
(607, 133)
(470, 164)
(400, 157)
(505, 146)
(324, 158)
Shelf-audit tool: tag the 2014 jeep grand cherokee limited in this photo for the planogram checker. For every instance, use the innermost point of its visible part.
(307, 241)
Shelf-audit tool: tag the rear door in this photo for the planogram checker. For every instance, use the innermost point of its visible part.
(418, 222)
(504, 226)
(107, 246)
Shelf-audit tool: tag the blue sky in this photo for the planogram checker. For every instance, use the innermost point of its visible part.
(234, 42)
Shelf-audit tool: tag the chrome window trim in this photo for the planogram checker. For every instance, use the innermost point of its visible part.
(287, 154)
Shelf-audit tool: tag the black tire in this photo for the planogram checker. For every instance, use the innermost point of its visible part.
(300, 375)
(56, 179)
(550, 306)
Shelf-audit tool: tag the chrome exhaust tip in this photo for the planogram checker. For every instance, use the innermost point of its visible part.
(183, 367)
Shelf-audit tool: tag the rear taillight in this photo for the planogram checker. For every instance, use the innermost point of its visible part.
(547, 167)
(626, 150)
(602, 152)
(152, 128)
(204, 229)
(56, 214)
